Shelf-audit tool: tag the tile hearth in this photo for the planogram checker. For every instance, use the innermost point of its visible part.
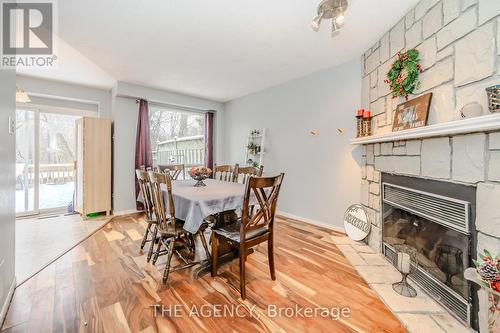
(419, 314)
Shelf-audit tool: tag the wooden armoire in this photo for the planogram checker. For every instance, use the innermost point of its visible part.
(93, 166)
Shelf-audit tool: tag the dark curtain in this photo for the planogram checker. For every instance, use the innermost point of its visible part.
(143, 154)
(209, 140)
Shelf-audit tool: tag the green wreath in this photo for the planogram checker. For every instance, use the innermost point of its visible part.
(403, 76)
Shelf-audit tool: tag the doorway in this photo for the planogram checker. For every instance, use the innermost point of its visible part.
(45, 186)
(45, 155)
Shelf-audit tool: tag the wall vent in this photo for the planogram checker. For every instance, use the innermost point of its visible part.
(452, 213)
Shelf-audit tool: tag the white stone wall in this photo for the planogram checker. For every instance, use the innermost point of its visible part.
(472, 159)
(459, 43)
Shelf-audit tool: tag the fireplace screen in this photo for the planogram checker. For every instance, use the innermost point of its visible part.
(442, 252)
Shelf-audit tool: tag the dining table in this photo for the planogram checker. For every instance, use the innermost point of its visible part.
(193, 205)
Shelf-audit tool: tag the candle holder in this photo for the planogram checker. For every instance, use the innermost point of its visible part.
(406, 263)
(493, 94)
(449, 261)
(367, 126)
(359, 123)
(359, 126)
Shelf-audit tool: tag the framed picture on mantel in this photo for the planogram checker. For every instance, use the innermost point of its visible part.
(412, 114)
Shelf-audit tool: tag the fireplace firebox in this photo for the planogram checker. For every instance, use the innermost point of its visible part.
(436, 218)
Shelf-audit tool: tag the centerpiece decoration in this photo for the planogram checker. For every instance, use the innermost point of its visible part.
(199, 174)
(487, 275)
(403, 75)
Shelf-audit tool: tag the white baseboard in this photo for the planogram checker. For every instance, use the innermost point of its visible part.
(126, 212)
(8, 299)
(284, 214)
(310, 221)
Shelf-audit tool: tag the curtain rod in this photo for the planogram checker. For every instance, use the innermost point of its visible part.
(175, 106)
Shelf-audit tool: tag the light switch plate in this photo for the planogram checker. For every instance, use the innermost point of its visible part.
(12, 125)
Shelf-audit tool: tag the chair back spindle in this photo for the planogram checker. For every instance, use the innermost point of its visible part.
(157, 179)
(246, 172)
(226, 173)
(145, 188)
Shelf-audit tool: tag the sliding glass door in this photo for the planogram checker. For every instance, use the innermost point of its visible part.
(26, 172)
(45, 162)
(57, 157)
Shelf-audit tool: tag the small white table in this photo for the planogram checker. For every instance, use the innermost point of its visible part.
(193, 204)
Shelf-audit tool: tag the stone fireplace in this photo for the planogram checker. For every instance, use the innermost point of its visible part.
(463, 172)
(459, 46)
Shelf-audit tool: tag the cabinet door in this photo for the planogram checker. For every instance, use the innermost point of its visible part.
(97, 165)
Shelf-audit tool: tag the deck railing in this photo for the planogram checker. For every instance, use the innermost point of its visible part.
(188, 157)
(49, 173)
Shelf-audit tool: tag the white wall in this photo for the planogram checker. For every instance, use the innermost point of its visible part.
(322, 172)
(124, 115)
(124, 128)
(62, 94)
(7, 186)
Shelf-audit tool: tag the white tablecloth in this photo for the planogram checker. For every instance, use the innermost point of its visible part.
(193, 204)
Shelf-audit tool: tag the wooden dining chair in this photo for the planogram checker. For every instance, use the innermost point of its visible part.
(250, 230)
(225, 173)
(150, 218)
(172, 234)
(175, 170)
(245, 172)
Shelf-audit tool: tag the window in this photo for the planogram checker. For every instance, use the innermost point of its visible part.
(177, 137)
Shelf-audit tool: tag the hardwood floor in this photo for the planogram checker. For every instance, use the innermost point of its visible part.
(105, 285)
(42, 235)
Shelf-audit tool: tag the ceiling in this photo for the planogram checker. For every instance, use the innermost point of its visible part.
(219, 49)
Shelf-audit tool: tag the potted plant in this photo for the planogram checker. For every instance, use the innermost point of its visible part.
(252, 148)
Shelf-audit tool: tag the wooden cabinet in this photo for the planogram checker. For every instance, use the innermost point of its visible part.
(93, 166)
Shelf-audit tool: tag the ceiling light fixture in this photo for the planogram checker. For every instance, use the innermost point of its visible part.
(22, 96)
(316, 22)
(331, 9)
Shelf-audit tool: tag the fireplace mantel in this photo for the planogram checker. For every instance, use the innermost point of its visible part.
(465, 126)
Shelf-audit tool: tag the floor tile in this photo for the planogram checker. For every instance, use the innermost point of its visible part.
(450, 324)
(375, 259)
(343, 240)
(351, 255)
(418, 323)
(379, 274)
(361, 248)
(397, 303)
